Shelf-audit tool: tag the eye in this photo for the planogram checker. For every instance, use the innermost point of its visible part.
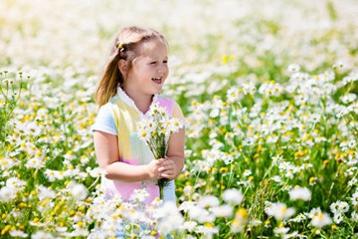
(165, 62)
(153, 62)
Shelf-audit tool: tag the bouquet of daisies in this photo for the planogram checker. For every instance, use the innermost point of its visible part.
(155, 130)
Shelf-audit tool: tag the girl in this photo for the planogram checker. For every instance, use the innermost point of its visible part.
(132, 79)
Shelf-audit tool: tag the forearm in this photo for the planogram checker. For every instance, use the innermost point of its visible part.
(126, 172)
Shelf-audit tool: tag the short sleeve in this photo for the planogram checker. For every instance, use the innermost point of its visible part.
(178, 113)
(105, 120)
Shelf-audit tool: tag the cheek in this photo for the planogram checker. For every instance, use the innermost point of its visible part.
(166, 72)
(143, 71)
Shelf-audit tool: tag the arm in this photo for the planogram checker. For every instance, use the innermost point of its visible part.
(176, 151)
(175, 154)
(106, 147)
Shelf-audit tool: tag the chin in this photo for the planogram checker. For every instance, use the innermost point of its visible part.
(153, 91)
(157, 89)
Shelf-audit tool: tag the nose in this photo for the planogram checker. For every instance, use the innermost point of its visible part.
(162, 69)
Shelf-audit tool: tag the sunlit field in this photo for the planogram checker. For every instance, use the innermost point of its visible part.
(269, 91)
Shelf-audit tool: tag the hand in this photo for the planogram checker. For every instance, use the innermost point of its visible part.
(168, 168)
(153, 169)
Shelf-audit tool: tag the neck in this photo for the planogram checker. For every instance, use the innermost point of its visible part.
(142, 101)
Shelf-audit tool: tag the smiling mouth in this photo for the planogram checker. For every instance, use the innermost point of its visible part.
(158, 80)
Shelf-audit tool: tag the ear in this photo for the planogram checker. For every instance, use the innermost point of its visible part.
(123, 66)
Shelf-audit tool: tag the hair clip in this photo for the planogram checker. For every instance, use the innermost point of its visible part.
(119, 46)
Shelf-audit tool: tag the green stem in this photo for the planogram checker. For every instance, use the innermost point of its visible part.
(161, 192)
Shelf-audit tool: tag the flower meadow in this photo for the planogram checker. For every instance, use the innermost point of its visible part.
(269, 91)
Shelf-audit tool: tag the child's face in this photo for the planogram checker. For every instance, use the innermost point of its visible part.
(149, 69)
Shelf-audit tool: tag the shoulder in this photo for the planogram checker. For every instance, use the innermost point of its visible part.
(177, 111)
(104, 120)
(169, 103)
(112, 105)
(113, 100)
(106, 109)
(174, 108)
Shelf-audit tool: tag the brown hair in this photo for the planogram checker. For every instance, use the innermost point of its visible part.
(123, 47)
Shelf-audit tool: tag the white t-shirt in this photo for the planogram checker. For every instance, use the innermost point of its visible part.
(105, 120)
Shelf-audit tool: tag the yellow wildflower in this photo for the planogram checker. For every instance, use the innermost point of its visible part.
(6, 229)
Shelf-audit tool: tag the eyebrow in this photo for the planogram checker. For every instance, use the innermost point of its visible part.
(153, 59)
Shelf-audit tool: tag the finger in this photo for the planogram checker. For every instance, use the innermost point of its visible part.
(160, 161)
(163, 175)
(168, 172)
(167, 176)
(170, 167)
(168, 163)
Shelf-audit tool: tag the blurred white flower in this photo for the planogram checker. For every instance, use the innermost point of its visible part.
(293, 68)
(319, 218)
(354, 216)
(338, 218)
(97, 234)
(61, 229)
(189, 225)
(78, 191)
(208, 231)
(348, 98)
(35, 162)
(188, 190)
(276, 179)
(139, 195)
(255, 222)
(174, 125)
(95, 172)
(53, 175)
(299, 218)
(78, 232)
(288, 169)
(233, 95)
(281, 230)
(8, 193)
(18, 233)
(13, 186)
(15, 182)
(355, 198)
(248, 88)
(214, 112)
(208, 201)
(45, 192)
(7, 163)
(339, 66)
(201, 215)
(279, 210)
(247, 173)
(300, 193)
(232, 196)
(42, 235)
(169, 218)
(186, 206)
(339, 207)
(222, 211)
